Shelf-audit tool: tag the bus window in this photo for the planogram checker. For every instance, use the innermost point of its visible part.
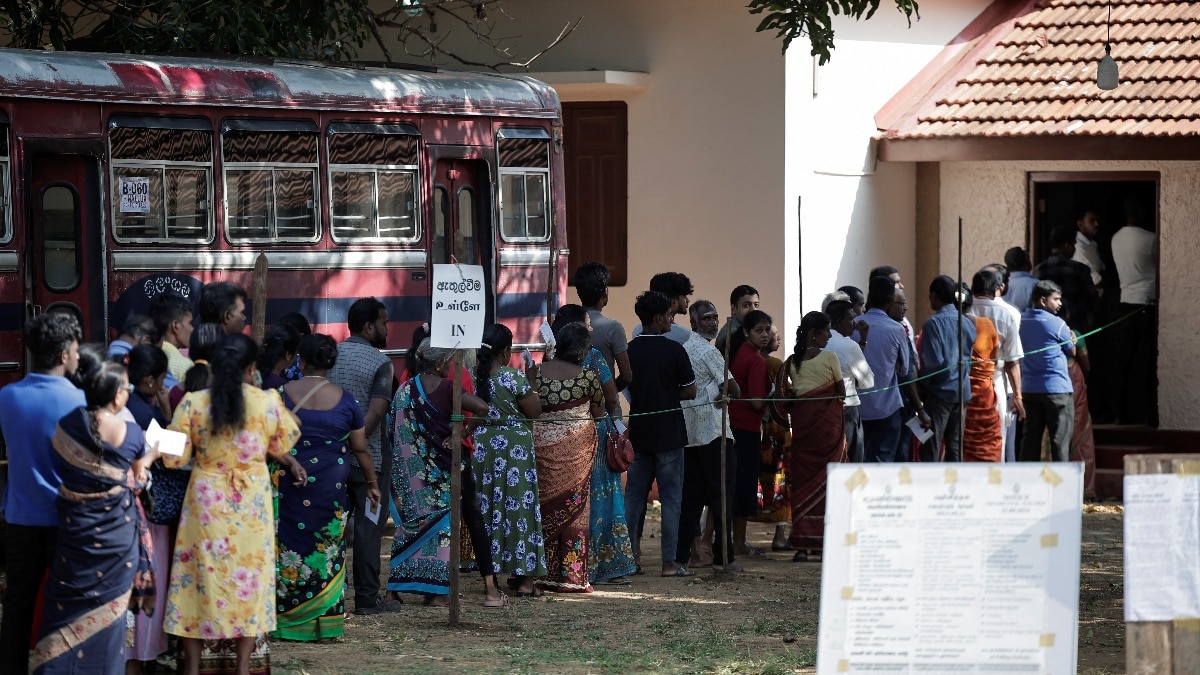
(373, 183)
(524, 189)
(161, 180)
(270, 182)
(60, 226)
(441, 213)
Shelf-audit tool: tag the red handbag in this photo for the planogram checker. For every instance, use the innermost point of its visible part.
(618, 451)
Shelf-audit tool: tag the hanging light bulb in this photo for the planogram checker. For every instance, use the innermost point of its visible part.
(1106, 72)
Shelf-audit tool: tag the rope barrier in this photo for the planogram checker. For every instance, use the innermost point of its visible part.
(726, 400)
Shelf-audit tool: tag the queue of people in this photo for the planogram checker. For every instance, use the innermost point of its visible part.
(299, 449)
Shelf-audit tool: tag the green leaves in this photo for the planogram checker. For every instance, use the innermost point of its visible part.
(790, 19)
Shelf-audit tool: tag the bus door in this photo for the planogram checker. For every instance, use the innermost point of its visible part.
(462, 223)
(65, 269)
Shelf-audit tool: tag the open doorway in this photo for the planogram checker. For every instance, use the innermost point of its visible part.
(1061, 199)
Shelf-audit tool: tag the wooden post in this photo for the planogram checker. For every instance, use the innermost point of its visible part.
(455, 486)
(1162, 647)
(258, 323)
(723, 535)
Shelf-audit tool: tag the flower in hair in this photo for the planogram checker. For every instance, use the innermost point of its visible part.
(485, 345)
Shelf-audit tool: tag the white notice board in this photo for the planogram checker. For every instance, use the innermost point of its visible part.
(963, 568)
(459, 295)
(1162, 547)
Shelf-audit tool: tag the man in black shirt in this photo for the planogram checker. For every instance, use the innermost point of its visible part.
(664, 379)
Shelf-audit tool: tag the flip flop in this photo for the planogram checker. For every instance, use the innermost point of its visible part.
(535, 593)
(680, 571)
(502, 602)
(754, 552)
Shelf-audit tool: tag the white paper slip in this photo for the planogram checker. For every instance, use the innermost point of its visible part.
(169, 442)
(922, 434)
(620, 426)
(373, 512)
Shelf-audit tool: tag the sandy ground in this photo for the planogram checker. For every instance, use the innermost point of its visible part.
(761, 621)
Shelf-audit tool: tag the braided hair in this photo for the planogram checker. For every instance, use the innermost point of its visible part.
(496, 338)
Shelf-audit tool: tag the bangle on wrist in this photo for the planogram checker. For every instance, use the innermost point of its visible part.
(372, 482)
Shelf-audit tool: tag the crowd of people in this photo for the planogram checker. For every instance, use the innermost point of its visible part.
(299, 448)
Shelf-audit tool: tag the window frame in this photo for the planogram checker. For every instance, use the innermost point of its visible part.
(161, 166)
(278, 127)
(502, 171)
(401, 129)
(6, 196)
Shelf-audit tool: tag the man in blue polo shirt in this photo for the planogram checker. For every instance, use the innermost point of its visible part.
(888, 354)
(1045, 381)
(29, 412)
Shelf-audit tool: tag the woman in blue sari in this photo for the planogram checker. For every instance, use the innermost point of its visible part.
(101, 568)
(421, 461)
(610, 550)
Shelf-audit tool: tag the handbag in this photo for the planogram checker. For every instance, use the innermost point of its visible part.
(166, 492)
(618, 451)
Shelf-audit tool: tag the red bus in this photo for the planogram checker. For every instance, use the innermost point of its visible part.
(124, 176)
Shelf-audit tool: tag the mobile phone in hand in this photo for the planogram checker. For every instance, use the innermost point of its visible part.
(527, 358)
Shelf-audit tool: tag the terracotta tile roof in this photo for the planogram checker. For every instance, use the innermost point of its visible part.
(1033, 73)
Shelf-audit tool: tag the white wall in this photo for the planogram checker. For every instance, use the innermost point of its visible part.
(856, 213)
(991, 198)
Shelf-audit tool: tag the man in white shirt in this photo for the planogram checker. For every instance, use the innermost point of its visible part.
(856, 373)
(1086, 249)
(1134, 254)
(702, 457)
(985, 287)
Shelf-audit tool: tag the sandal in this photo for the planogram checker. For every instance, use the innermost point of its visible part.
(754, 552)
(502, 602)
(535, 593)
(615, 581)
(680, 571)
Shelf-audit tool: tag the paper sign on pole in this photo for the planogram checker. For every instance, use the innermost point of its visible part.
(964, 568)
(459, 295)
(135, 194)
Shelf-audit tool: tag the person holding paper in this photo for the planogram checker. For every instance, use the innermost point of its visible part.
(945, 350)
(101, 568)
(311, 519)
(147, 368)
(812, 376)
(222, 571)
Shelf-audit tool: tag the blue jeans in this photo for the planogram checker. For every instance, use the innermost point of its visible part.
(881, 437)
(667, 468)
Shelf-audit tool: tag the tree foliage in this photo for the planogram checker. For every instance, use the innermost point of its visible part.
(791, 19)
(331, 30)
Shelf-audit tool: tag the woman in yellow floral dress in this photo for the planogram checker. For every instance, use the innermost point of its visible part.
(223, 569)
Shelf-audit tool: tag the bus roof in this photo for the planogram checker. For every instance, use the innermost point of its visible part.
(188, 80)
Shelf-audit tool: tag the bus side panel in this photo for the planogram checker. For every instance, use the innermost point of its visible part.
(404, 291)
(12, 310)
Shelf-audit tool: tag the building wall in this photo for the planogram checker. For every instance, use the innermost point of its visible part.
(856, 213)
(991, 199)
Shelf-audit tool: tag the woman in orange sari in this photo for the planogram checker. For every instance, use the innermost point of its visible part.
(981, 431)
(818, 432)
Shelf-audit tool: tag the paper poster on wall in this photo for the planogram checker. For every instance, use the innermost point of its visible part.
(458, 299)
(135, 194)
(964, 568)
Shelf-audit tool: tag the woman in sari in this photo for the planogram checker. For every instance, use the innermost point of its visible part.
(504, 462)
(565, 437)
(146, 366)
(981, 430)
(818, 430)
(222, 591)
(101, 568)
(610, 550)
(311, 520)
(1083, 445)
(773, 504)
(421, 467)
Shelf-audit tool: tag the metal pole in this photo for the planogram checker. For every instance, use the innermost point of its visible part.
(455, 487)
(962, 418)
(723, 531)
(258, 320)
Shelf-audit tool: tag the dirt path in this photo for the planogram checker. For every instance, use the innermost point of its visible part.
(761, 621)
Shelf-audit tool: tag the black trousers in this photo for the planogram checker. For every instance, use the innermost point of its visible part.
(368, 535)
(29, 550)
(945, 416)
(702, 487)
(1054, 413)
(1135, 380)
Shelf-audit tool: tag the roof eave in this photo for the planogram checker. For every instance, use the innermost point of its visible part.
(1039, 148)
